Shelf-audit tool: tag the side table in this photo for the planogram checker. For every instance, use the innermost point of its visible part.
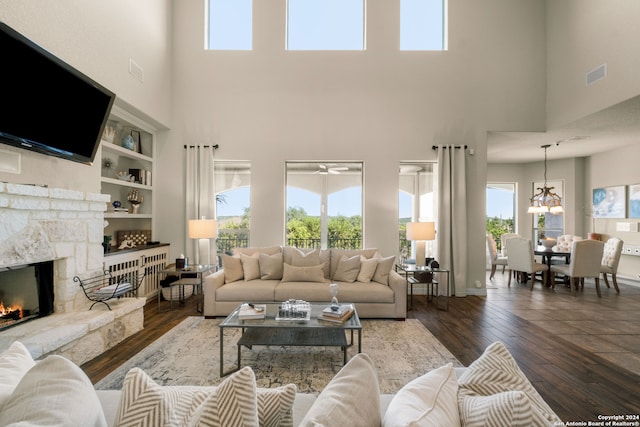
(412, 275)
(192, 275)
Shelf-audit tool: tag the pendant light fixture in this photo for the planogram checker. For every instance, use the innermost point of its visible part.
(545, 200)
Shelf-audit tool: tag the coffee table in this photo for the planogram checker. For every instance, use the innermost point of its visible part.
(269, 331)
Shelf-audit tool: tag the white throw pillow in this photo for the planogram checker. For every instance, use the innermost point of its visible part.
(232, 267)
(144, 403)
(302, 259)
(383, 269)
(14, 363)
(312, 273)
(270, 266)
(367, 269)
(55, 392)
(352, 397)
(430, 400)
(348, 269)
(250, 266)
(496, 372)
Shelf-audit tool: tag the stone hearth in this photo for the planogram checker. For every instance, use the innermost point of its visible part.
(42, 224)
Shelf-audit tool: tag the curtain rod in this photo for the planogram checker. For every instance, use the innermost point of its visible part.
(215, 147)
(435, 147)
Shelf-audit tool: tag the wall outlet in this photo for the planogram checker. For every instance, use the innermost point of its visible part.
(478, 284)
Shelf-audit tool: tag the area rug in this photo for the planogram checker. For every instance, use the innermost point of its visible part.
(189, 354)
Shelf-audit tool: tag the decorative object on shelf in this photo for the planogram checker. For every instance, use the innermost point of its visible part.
(106, 243)
(203, 229)
(116, 204)
(139, 237)
(421, 232)
(108, 134)
(117, 207)
(127, 244)
(128, 142)
(107, 164)
(181, 262)
(545, 200)
(124, 176)
(333, 290)
(136, 199)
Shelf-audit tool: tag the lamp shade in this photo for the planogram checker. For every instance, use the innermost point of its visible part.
(202, 229)
(421, 231)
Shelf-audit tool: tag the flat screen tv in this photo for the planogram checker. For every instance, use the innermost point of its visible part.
(45, 104)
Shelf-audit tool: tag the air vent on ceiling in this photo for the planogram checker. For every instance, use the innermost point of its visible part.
(596, 74)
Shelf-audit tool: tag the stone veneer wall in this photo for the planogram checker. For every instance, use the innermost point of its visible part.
(43, 224)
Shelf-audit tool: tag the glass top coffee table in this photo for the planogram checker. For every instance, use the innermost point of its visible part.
(269, 331)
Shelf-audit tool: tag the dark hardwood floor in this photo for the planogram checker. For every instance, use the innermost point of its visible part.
(579, 385)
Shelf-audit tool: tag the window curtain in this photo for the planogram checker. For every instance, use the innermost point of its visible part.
(200, 194)
(452, 216)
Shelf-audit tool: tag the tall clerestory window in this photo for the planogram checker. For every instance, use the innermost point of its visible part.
(423, 25)
(325, 25)
(229, 24)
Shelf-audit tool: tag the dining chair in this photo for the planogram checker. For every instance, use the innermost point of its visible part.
(503, 242)
(586, 258)
(496, 259)
(522, 259)
(610, 261)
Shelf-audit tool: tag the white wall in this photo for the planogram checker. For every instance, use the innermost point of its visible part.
(380, 106)
(97, 38)
(583, 34)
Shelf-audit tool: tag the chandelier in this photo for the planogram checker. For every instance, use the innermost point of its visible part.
(545, 200)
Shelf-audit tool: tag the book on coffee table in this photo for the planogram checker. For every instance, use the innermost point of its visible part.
(338, 311)
(339, 316)
(253, 311)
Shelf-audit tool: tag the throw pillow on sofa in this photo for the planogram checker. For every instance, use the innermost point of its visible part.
(55, 392)
(348, 269)
(430, 400)
(496, 371)
(232, 267)
(270, 266)
(15, 362)
(367, 269)
(383, 269)
(352, 397)
(291, 273)
(250, 266)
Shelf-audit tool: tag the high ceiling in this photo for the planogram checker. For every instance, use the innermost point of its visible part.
(608, 129)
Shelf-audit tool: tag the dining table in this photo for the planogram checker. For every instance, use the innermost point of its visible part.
(547, 254)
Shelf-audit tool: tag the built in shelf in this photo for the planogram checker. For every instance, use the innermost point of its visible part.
(124, 151)
(115, 181)
(126, 215)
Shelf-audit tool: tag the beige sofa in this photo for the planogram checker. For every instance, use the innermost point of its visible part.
(54, 391)
(277, 273)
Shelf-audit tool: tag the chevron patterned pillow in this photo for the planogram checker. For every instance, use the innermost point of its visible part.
(231, 403)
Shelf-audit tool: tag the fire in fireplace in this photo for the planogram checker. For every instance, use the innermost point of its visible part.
(26, 292)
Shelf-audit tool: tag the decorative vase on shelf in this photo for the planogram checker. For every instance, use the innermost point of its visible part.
(127, 142)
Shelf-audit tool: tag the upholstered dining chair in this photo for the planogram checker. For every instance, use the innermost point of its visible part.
(496, 259)
(610, 261)
(503, 242)
(522, 260)
(586, 258)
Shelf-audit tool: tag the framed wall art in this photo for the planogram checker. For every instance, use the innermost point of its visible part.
(609, 202)
(634, 201)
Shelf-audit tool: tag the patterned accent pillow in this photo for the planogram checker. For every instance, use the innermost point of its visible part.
(145, 403)
(348, 269)
(509, 408)
(496, 372)
(55, 392)
(275, 406)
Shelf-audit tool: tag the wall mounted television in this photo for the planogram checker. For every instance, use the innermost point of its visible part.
(46, 105)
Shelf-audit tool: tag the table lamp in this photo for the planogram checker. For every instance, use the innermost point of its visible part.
(420, 232)
(203, 230)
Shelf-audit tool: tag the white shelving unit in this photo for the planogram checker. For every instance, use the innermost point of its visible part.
(122, 159)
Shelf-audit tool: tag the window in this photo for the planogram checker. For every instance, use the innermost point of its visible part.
(325, 25)
(324, 205)
(233, 204)
(230, 24)
(501, 205)
(548, 224)
(417, 202)
(422, 25)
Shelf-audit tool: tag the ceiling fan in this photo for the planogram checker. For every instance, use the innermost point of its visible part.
(324, 169)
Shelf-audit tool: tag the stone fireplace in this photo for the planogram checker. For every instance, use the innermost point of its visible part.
(39, 224)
